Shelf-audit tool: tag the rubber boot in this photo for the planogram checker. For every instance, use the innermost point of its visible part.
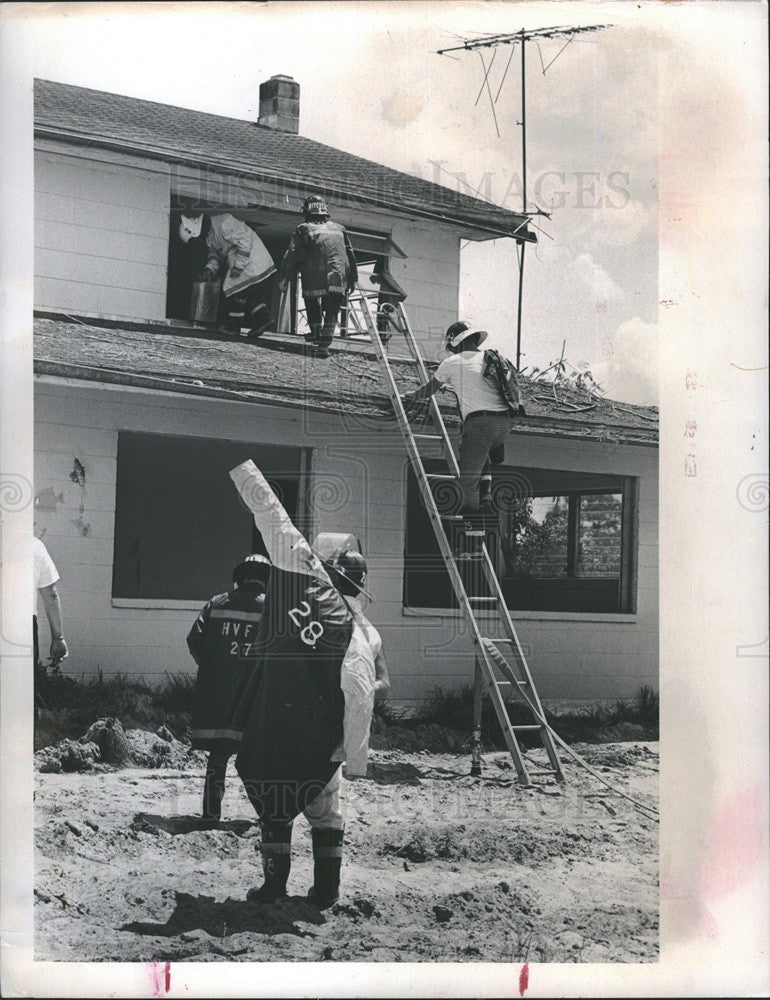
(327, 862)
(214, 788)
(276, 862)
(485, 497)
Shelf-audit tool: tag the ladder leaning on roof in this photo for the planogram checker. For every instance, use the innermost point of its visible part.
(490, 661)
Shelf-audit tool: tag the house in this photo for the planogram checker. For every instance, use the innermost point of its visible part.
(139, 414)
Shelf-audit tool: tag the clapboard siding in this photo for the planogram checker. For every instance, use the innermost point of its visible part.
(571, 657)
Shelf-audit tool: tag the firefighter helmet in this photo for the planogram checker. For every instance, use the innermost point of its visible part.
(254, 569)
(348, 572)
(460, 331)
(315, 206)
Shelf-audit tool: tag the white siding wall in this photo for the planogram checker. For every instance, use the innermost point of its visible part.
(359, 486)
(101, 234)
(431, 277)
(101, 238)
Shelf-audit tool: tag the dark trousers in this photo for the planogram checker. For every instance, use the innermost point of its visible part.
(482, 445)
(38, 667)
(214, 783)
(252, 308)
(322, 313)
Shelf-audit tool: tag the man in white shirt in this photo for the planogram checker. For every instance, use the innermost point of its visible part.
(487, 420)
(46, 577)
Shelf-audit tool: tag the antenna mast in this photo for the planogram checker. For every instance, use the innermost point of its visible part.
(522, 37)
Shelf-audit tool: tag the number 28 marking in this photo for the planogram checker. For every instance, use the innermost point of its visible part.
(312, 631)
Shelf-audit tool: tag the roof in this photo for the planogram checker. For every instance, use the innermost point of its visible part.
(274, 371)
(172, 134)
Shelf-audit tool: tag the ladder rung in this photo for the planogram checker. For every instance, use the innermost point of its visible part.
(368, 302)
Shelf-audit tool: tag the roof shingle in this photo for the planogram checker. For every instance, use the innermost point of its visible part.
(175, 134)
(274, 371)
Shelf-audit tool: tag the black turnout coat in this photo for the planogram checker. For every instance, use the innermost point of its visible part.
(293, 710)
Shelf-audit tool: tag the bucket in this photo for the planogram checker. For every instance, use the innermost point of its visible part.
(204, 302)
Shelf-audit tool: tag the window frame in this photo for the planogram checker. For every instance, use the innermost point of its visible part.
(603, 484)
(302, 517)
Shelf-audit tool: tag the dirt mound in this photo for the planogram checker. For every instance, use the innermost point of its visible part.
(108, 735)
(66, 756)
(616, 754)
(105, 746)
(161, 749)
(517, 844)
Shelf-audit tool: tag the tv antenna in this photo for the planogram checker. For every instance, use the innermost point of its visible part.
(495, 42)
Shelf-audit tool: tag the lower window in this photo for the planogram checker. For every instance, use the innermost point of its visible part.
(180, 524)
(561, 541)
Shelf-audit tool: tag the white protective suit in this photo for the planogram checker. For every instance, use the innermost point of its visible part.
(235, 244)
(357, 677)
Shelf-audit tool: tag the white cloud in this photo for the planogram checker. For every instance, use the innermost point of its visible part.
(625, 225)
(596, 279)
(404, 106)
(628, 365)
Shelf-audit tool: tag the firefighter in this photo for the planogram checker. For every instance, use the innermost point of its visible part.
(322, 251)
(239, 258)
(294, 731)
(223, 644)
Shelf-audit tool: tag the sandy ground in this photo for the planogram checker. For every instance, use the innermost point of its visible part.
(438, 867)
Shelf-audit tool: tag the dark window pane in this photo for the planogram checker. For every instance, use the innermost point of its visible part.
(180, 525)
(599, 535)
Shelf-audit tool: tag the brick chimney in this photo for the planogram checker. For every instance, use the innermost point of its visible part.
(279, 104)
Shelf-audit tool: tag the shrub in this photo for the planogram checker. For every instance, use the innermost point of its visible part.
(454, 709)
(176, 693)
(70, 705)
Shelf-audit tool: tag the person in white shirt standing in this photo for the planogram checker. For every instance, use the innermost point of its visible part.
(46, 576)
(487, 420)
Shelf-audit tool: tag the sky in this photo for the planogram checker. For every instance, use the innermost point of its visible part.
(372, 84)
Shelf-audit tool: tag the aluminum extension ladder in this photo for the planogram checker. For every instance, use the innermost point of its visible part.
(382, 323)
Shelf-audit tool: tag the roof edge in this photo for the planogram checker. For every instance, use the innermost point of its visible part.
(224, 165)
(539, 426)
